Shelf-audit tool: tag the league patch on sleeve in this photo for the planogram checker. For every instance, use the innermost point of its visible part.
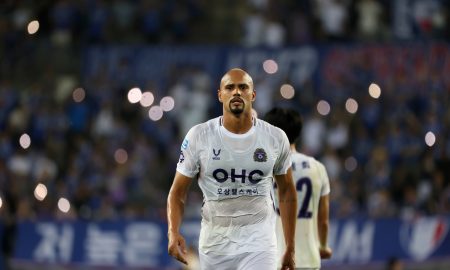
(185, 144)
(181, 157)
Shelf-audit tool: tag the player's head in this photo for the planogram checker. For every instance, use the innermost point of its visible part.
(236, 91)
(288, 120)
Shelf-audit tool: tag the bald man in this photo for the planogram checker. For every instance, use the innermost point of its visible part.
(235, 159)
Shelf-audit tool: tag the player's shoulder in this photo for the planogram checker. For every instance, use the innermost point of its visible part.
(269, 129)
(301, 157)
(318, 164)
(205, 127)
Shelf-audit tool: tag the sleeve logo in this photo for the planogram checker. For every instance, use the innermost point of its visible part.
(185, 144)
(181, 157)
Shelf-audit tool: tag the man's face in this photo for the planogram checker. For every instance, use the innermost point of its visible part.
(236, 92)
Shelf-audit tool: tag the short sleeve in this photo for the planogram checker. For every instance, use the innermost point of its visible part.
(325, 190)
(188, 163)
(283, 162)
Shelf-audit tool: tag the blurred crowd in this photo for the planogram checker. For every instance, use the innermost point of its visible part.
(89, 145)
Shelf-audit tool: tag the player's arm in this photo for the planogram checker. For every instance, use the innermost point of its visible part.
(175, 209)
(322, 224)
(288, 212)
(323, 215)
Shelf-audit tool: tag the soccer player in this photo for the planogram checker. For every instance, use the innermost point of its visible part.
(235, 157)
(313, 188)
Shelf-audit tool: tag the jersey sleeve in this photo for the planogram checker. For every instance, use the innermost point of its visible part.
(283, 162)
(189, 164)
(325, 190)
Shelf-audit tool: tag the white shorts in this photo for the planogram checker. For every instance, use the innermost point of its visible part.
(261, 260)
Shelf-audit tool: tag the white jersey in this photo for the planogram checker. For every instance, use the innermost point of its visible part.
(311, 181)
(235, 173)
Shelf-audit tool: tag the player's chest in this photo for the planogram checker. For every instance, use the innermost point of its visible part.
(222, 163)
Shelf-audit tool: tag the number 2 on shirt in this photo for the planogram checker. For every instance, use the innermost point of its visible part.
(305, 184)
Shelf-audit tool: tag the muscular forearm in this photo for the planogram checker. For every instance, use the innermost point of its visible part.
(176, 201)
(323, 233)
(175, 211)
(322, 222)
(288, 213)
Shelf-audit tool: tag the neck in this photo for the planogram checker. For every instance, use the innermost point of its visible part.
(293, 148)
(238, 124)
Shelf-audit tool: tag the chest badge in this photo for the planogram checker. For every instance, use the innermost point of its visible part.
(260, 155)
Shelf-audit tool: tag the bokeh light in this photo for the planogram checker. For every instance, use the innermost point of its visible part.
(430, 138)
(25, 141)
(287, 91)
(1, 202)
(323, 107)
(147, 99)
(134, 95)
(155, 113)
(78, 94)
(121, 156)
(270, 66)
(167, 103)
(351, 105)
(350, 164)
(374, 90)
(63, 205)
(40, 192)
(33, 27)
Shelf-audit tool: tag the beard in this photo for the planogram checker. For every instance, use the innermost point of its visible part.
(236, 109)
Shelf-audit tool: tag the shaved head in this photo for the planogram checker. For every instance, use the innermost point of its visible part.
(234, 73)
(236, 92)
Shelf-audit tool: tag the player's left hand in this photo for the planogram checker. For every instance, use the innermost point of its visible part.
(288, 262)
(177, 247)
(325, 252)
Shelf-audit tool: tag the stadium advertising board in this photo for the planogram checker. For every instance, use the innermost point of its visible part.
(108, 244)
(144, 244)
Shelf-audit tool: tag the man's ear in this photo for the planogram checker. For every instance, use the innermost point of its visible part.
(219, 95)
(253, 95)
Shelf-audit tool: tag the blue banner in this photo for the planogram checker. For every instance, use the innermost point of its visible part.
(367, 241)
(113, 244)
(144, 244)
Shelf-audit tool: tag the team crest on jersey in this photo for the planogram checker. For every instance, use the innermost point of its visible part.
(260, 155)
(216, 154)
(181, 157)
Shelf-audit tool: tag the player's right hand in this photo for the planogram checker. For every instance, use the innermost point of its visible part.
(177, 247)
(325, 253)
(288, 260)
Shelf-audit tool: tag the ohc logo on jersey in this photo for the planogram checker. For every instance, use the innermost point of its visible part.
(222, 175)
(260, 155)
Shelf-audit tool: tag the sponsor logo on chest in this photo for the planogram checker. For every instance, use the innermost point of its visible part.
(216, 154)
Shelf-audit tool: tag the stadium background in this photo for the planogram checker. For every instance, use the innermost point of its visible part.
(96, 96)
